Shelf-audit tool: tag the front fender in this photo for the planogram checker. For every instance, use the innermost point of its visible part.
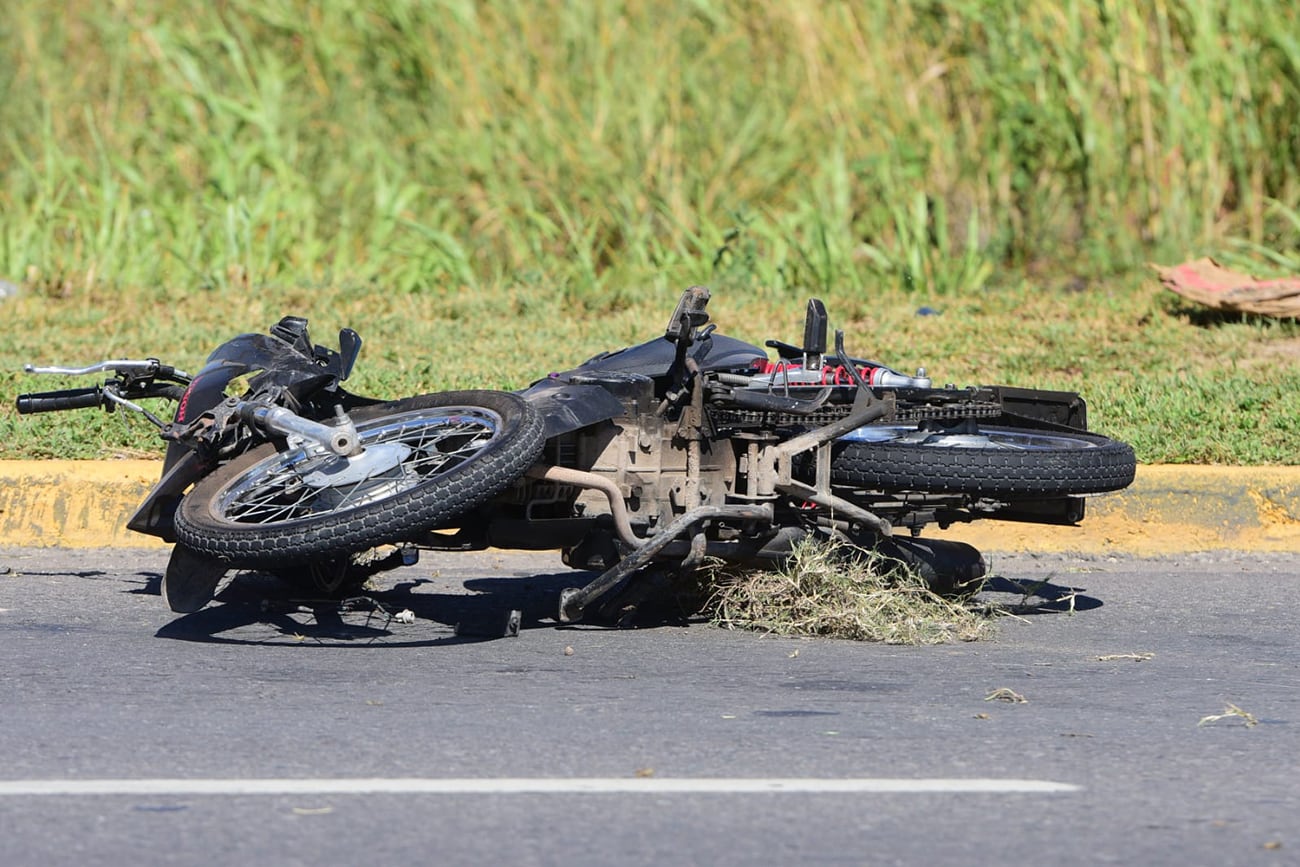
(154, 516)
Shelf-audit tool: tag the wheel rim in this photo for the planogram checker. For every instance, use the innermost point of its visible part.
(1002, 440)
(400, 451)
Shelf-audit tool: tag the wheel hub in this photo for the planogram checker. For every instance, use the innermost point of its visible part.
(375, 460)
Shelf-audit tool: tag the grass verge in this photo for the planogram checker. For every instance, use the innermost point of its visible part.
(492, 190)
(1179, 385)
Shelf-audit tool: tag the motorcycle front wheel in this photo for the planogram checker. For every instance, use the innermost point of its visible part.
(424, 460)
(988, 461)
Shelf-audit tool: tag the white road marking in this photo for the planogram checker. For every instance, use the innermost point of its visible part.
(529, 785)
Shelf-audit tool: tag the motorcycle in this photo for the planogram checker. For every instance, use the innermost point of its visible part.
(688, 448)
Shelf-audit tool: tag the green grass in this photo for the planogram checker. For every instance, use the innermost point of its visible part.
(488, 191)
(1180, 385)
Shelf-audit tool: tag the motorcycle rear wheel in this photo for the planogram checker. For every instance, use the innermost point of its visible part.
(991, 461)
(426, 459)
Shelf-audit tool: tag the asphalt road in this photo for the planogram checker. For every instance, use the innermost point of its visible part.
(253, 733)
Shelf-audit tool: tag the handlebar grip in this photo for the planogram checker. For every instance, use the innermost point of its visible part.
(54, 401)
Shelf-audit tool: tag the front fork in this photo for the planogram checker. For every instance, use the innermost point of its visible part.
(186, 463)
(339, 437)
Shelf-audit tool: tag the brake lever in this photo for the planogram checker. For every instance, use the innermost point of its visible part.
(149, 367)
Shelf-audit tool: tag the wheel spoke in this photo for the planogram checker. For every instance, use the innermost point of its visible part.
(1018, 441)
(438, 441)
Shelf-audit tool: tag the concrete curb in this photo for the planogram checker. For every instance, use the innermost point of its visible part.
(1168, 510)
(74, 504)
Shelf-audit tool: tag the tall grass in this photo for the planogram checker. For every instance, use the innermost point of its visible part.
(606, 147)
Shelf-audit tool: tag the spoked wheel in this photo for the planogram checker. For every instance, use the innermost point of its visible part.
(990, 461)
(425, 460)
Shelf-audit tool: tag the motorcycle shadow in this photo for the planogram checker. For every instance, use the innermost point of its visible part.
(261, 609)
(1023, 597)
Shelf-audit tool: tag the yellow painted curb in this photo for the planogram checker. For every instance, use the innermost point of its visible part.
(74, 504)
(1168, 509)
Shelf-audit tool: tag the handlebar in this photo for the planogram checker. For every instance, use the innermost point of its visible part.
(135, 379)
(147, 367)
(55, 401)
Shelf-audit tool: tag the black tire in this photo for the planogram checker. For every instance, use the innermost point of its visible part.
(190, 580)
(434, 456)
(994, 462)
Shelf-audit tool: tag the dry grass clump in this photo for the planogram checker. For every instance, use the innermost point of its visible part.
(1231, 711)
(830, 589)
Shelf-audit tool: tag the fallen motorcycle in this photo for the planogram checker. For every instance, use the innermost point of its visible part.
(690, 447)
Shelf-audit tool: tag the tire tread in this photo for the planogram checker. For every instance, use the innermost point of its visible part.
(893, 466)
(402, 516)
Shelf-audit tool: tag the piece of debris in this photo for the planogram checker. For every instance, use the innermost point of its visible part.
(406, 615)
(1207, 282)
(568, 651)
(1008, 695)
(645, 772)
(1229, 712)
(1136, 657)
(492, 624)
(828, 588)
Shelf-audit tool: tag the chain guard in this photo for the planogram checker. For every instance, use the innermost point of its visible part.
(732, 419)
